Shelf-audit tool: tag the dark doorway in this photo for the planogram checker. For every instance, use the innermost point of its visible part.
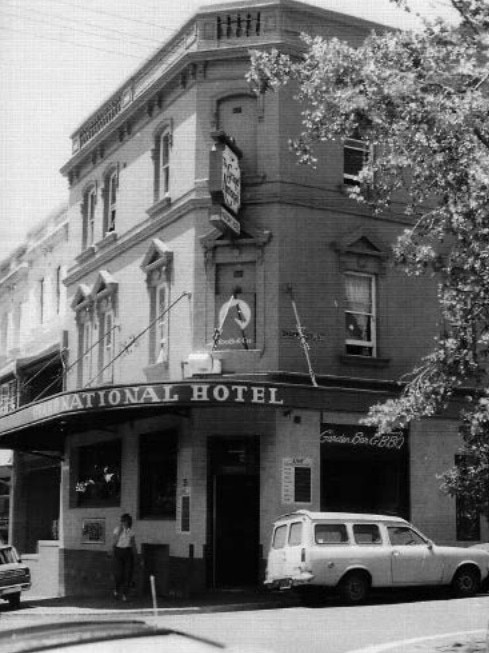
(234, 503)
(42, 506)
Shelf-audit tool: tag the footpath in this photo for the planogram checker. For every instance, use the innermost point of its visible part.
(140, 607)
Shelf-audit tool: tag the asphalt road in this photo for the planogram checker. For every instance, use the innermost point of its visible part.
(415, 625)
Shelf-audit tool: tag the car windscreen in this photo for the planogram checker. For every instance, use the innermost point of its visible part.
(7, 556)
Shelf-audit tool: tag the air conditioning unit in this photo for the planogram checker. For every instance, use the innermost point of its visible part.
(203, 362)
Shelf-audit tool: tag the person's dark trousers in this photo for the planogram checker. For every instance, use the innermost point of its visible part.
(123, 562)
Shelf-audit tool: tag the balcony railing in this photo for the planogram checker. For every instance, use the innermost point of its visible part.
(239, 25)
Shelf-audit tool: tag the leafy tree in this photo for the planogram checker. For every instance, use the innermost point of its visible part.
(421, 98)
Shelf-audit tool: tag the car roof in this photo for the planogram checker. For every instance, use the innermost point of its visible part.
(340, 516)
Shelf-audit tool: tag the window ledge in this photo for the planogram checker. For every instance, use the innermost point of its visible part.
(110, 237)
(364, 361)
(156, 372)
(159, 206)
(86, 254)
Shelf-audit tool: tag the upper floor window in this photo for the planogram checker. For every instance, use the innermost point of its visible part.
(165, 163)
(162, 163)
(157, 266)
(88, 210)
(360, 336)
(110, 197)
(356, 153)
(106, 345)
(8, 397)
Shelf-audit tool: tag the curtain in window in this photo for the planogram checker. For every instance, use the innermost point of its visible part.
(358, 294)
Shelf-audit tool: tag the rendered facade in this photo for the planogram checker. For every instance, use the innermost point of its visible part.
(197, 244)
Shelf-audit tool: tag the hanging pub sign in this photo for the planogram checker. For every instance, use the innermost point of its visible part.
(225, 177)
(223, 220)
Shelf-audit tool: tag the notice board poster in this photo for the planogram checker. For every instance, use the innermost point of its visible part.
(297, 480)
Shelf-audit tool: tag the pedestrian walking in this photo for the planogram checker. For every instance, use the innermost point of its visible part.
(124, 547)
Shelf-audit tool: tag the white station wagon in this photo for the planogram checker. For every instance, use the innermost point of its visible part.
(311, 551)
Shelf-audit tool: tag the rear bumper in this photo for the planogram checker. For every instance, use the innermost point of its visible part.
(304, 578)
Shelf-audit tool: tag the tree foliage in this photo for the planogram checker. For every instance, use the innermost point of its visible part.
(421, 98)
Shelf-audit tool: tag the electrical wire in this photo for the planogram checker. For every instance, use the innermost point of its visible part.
(71, 29)
(90, 24)
(118, 16)
(80, 45)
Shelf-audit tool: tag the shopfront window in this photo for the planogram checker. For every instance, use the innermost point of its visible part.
(158, 475)
(98, 478)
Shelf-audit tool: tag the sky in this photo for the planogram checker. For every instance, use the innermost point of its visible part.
(60, 59)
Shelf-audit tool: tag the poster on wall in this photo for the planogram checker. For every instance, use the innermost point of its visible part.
(93, 531)
(183, 510)
(297, 480)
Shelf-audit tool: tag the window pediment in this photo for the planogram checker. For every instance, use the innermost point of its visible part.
(158, 257)
(362, 250)
(105, 286)
(82, 298)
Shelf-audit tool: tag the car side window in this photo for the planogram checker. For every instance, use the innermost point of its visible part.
(330, 534)
(295, 534)
(404, 536)
(280, 537)
(366, 534)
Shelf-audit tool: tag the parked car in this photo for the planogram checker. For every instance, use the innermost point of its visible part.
(312, 551)
(114, 636)
(15, 577)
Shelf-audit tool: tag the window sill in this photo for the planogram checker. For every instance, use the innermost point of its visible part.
(156, 372)
(364, 361)
(159, 206)
(110, 237)
(87, 254)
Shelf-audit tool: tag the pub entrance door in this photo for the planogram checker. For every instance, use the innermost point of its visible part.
(234, 511)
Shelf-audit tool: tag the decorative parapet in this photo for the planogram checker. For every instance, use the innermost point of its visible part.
(135, 87)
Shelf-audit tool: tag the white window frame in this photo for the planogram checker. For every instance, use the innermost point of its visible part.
(164, 162)
(358, 146)
(372, 315)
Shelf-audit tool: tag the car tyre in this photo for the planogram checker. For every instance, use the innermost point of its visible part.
(354, 587)
(14, 600)
(466, 582)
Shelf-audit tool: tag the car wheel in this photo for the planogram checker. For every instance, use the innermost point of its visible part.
(354, 587)
(466, 582)
(14, 600)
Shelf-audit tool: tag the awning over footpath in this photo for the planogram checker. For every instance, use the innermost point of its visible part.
(43, 425)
